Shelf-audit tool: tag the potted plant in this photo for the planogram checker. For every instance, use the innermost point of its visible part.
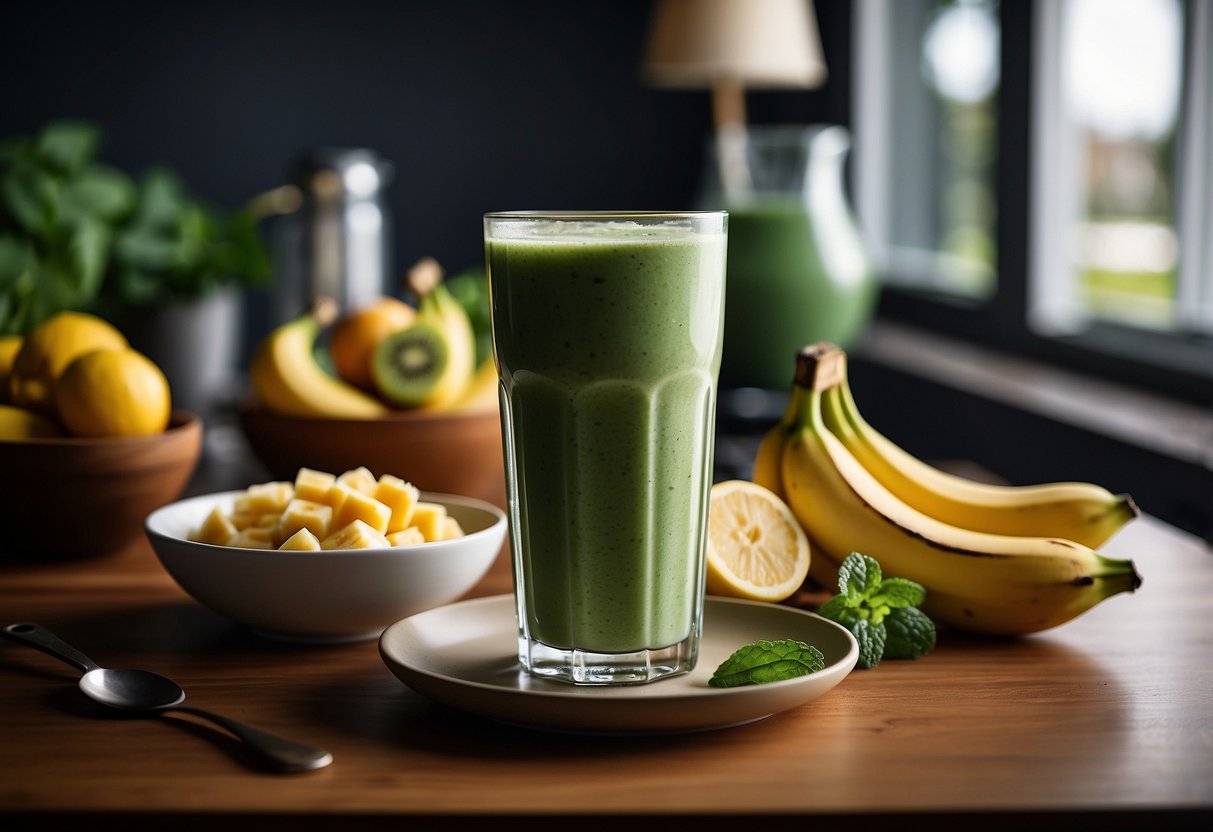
(76, 233)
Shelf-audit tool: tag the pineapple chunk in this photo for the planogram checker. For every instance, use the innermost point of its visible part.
(265, 498)
(253, 538)
(451, 528)
(215, 529)
(312, 485)
(336, 496)
(401, 497)
(301, 541)
(251, 520)
(360, 479)
(359, 506)
(357, 535)
(304, 514)
(406, 537)
(429, 517)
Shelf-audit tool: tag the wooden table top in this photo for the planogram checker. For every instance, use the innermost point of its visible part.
(1107, 719)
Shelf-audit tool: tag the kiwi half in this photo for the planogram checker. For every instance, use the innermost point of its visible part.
(409, 365)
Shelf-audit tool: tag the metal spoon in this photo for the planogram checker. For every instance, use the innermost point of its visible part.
(147, 692)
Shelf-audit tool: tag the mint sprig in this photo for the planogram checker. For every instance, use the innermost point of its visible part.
(767, 661)
(882, 613)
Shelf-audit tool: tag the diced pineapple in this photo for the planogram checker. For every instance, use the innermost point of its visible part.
(336, 496)
(304, 514)
(401, 497)
(312, 485)
(265, 498)
(253, 538)
(406, 537)
(429, 517)
(250, 520)
(360, 479)
(451, 528)
(357, 535)
(215, 529)
(301, 541)
(359, 506)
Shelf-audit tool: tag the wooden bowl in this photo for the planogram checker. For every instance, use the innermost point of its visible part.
(451, 453)
(75, 497)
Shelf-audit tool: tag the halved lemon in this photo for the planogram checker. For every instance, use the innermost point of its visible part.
(756, 549)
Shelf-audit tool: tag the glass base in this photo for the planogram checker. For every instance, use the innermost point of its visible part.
(583, 667)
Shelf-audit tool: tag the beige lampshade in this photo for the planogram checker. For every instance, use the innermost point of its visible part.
(750, 43)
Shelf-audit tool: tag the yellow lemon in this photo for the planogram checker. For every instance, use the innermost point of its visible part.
(47, 351)
(113, 393)
(9, 345)
(756, 549)
(18, 424)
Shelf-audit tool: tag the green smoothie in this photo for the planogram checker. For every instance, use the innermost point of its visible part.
(608, 341)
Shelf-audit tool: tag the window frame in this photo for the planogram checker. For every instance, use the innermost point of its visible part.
(1176, 365)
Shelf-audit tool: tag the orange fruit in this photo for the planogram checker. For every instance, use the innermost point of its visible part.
(113, 393)
(756, 548)
(355, 336)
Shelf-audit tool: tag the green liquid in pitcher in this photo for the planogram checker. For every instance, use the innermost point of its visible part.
(789, 284)
(609, 349)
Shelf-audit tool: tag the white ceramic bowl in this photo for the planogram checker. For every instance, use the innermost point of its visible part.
(345, 595)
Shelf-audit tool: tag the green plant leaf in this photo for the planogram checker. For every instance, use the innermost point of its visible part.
(871, 638)
(88, 246)
(28, 195)
(98, 191)
(67, 146)
(146, 249)
(160, 202)
(15, 255)
(911, 634)
(767, 661)
(858, 575)
(135, 286)
(898, 592)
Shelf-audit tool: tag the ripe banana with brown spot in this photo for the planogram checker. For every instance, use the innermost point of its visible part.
(1080, 511)
(976, 581)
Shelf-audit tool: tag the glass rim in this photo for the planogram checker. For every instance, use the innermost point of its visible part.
(601, 215)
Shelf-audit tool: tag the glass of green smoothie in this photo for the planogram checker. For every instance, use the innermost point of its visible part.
(607, 330)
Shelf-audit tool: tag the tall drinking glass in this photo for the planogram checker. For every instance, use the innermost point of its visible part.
(607, 329)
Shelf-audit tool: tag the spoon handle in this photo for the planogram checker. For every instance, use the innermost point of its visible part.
(283, 754)
(38, 637)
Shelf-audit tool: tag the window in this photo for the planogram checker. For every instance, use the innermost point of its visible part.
(1039, 176)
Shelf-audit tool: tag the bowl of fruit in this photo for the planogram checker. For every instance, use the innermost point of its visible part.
(409, 389)
(327, 557)
(89, 442)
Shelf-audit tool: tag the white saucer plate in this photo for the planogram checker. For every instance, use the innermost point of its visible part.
(465, 655)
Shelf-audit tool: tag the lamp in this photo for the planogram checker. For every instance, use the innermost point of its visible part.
(729, 45)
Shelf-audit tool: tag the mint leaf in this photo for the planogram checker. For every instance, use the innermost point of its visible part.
(858, 576)
(898, 592)
(767, 661)
(882, 613)
(871, 638)
(837, 608)
(910, 634)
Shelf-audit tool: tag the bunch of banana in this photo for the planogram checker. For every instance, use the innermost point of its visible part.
(287, 379)
(994, 559)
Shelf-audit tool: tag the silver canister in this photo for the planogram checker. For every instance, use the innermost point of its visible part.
(339, 242)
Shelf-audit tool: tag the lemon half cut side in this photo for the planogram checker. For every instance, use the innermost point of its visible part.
(756, 548)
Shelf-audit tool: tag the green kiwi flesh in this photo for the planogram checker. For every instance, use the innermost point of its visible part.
(408, 365)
